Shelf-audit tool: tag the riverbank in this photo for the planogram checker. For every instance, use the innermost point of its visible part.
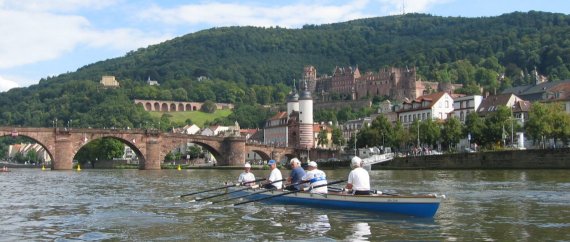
(510, 159)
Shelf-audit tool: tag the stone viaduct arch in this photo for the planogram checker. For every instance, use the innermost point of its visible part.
(150, 146)
(174, 106)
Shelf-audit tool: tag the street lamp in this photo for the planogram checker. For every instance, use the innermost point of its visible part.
(354, 144)
(418, 134)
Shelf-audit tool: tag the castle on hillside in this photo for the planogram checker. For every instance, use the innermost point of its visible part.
(394, 83)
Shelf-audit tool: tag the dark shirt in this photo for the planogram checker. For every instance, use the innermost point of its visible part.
(297, 175)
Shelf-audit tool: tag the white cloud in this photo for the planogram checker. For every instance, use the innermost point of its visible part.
(36, 36)
(409, 6)
(231, 14)
(6, 84)
(55, 5)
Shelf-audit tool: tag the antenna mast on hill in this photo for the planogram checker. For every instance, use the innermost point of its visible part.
(403, 7)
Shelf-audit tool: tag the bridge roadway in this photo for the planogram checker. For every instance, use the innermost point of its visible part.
(151, 146)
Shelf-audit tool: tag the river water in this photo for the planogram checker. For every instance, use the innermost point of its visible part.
(133, 205)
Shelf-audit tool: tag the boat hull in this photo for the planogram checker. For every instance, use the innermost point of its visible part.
(418, 206)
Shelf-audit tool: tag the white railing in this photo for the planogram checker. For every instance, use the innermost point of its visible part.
(377, 159)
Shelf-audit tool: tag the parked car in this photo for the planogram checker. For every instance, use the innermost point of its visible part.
(469, 150)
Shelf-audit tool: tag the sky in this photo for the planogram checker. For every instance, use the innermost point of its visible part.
(40, 38)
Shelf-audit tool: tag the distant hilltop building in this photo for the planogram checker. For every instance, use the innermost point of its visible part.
(350, 83)
(151, 82)
(109, 81)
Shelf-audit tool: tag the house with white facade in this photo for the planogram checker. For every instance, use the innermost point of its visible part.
(492, 103)
(276, 130)
(351, 127)
(152, 82)
(462, 106)
(215, 130)
(434, 106)
(188, 129)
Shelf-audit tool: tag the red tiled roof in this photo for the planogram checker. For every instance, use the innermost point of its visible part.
(434, 97)
(279, 115)
(248, 131)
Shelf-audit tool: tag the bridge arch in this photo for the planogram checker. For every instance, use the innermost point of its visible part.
(129, 143)
(45, 145)
(213, 147)
(156, 107)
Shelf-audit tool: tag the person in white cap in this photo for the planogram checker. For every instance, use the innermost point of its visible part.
(246, 177)
(316, 177)
(358, 179)
(274, 181)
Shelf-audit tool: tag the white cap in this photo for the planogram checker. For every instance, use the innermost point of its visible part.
(295, 160)
(247, 165)
(355, 162)
(313, 164)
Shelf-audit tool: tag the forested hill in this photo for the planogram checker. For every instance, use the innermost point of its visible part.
(520, 41)
(254, 65)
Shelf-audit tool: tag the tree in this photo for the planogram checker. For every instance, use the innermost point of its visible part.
(169, 157)
(100, 149)
(452, 131)
(400, 136)
(431, 132)
(548, 121)
(194, 151)
(322, 137)
(208, 107)
(367, 137)
(384, 129)
(337, 138)
(475, 127)
(32, 155)
(560, 122)
(498, 126)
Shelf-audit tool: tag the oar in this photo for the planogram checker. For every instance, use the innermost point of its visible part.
(285, 193)
(249, 194)
(222, 194)
(218, 188)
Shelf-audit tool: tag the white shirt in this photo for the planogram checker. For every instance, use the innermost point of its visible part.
(316, 178)
(274, 176)
(246, 177)
(359, 179)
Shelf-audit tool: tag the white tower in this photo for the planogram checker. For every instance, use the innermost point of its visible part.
(306, 118)
(293, 101)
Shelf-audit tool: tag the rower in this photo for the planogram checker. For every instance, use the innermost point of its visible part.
(316, 177)
(358, 179)
(274, 176)
(296, 176)
(246, 177)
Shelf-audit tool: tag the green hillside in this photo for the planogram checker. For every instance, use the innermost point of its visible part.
(251, 66)
(197, 117)
(251, 55)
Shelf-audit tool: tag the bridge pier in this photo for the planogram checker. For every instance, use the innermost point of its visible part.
(152, 158)
(234, 154)
(63, 155)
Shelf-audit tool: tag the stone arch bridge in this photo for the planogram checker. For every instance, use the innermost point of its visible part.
(151, 146)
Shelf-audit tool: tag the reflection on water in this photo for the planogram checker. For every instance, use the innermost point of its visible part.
(361, 232)
(95, 205)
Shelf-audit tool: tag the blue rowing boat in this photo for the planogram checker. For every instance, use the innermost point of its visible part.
(413, 205)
